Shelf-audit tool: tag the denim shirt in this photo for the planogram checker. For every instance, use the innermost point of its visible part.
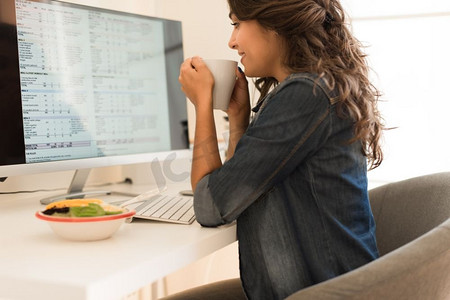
(298, 190)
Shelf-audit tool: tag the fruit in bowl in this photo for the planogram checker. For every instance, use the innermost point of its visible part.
(84, 219)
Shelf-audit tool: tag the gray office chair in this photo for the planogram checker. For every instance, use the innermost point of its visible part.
(413, 236)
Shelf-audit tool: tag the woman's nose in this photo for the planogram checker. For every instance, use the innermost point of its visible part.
(232, 43)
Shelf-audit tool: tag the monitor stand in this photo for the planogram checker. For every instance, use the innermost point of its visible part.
(75, 190)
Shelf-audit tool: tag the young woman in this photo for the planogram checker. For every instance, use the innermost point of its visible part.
(295, 177)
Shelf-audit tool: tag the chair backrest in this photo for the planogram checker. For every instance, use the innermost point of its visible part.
(407, 209)
(418, 270)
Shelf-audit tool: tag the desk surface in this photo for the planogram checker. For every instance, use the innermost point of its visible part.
(37, 264)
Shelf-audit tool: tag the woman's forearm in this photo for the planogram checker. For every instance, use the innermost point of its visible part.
(206, 157)
(238, 126)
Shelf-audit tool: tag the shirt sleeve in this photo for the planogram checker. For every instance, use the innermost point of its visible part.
(292, 125)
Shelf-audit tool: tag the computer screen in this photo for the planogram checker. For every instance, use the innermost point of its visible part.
(83, 87)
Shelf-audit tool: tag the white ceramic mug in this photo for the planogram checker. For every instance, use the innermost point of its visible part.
(224, 72)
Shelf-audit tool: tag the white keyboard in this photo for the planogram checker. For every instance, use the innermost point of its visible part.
(166, 208)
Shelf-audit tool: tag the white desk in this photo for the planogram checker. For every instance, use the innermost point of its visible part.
(36, 264)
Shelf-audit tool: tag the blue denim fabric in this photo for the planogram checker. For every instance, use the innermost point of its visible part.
(298, 190)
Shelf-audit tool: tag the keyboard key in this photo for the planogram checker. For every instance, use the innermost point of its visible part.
(186, 205)
(177, 205)
(189, 215)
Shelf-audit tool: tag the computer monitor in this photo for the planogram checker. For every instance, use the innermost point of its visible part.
(84, 87)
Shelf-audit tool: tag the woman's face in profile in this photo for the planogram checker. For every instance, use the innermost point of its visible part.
(260, 49)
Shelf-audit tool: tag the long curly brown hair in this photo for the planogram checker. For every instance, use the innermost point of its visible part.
(318, 41)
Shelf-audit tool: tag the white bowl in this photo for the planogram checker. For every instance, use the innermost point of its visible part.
(86, 228)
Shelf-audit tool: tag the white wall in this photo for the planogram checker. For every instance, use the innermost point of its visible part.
(362, 9)
(206, 26)
(408, 47)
